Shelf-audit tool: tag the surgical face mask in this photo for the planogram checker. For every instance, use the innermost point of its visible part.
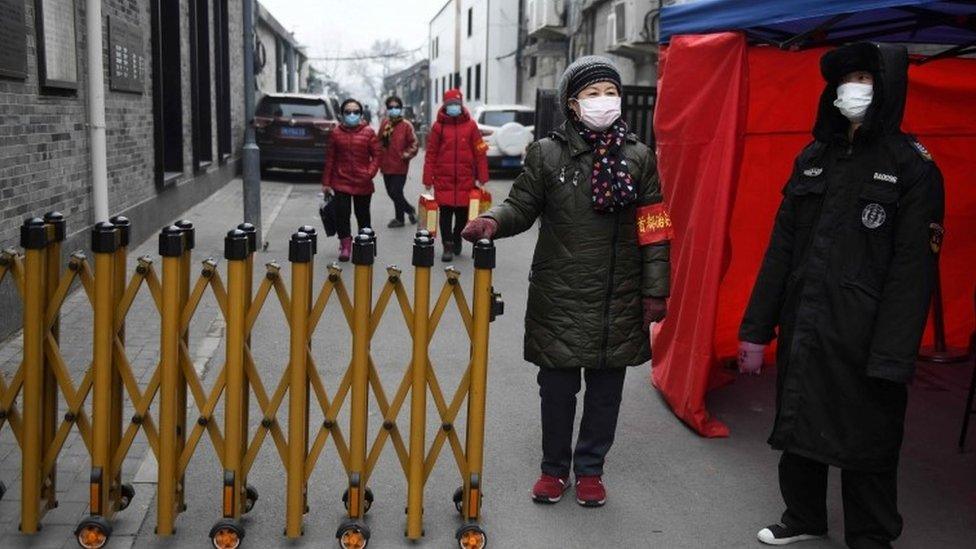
(352, 119)
(598, 113)
(394, 112)
(853, 100)
(453, 109)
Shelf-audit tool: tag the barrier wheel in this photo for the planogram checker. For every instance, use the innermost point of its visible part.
(93, 532)
(226, 534)
(368, 502)
(126, 494)
(250, 498)
(353, 535)
(458, 498)
(471, 536)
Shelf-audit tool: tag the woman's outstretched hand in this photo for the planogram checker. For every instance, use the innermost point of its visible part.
(479, 228)
(654, 310)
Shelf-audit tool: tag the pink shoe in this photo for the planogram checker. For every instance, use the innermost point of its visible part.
(549, 489)
(345, 248)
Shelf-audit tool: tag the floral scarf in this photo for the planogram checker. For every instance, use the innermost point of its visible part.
(613, 186)
(388, 130)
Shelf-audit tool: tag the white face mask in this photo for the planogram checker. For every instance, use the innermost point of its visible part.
(598, 113)
(853, 100)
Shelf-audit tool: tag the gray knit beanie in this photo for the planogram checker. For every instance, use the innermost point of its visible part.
(583, 72)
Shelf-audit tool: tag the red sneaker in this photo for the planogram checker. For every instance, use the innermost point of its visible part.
(549, 489)
(590, 491)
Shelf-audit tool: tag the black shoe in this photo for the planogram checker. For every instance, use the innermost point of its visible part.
(412, 216)
(777, 534)
(458, 247)
(448, 252)
(395, 223)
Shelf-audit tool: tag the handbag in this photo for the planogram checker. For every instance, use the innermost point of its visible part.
(328, 214)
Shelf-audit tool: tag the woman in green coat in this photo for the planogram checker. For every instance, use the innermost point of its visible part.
(600, 273)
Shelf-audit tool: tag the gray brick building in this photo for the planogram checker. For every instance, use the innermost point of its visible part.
(174, 109)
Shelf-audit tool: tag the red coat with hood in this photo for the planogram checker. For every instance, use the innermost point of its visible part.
(455, 158)
(395, 159)
(352, 159)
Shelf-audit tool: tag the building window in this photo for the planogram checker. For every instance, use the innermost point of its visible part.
(477, 81)
(470, 20)
(467, 83)
(457, 80)
(200, 99)
(443, 84)
(222, 78)
(167, 90)
(533, 67)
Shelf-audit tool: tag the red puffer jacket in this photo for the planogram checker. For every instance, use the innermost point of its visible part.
(352, 159)
(395, 159)
(455, 158)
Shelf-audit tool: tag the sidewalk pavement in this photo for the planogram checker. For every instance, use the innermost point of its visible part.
(668, 487)
(212, 218)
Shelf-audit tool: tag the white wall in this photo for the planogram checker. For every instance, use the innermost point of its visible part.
(498, 76)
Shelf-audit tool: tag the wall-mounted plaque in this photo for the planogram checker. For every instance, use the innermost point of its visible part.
(57, 45)
(13, 39)
(126, 57)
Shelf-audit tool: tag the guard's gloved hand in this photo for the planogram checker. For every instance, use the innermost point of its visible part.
(655, 308)
(479, 228)
(751, 357)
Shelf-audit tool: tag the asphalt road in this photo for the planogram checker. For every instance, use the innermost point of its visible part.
(667, 487)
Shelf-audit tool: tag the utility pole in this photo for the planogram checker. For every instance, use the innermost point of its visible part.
(96, 111)
(252, 155)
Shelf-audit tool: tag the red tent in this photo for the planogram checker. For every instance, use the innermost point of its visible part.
(729, 121)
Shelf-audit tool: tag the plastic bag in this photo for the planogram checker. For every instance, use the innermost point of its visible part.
(328, 214)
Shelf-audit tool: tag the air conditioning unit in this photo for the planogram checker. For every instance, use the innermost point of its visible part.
(625, 29)
(546, 19)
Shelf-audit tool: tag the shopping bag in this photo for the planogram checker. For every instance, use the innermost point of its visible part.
(427, 211)
(328, 214)
(479, 201)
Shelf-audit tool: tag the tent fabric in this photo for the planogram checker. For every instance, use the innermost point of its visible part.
(699, 117)
(735, 208)
(776, 20)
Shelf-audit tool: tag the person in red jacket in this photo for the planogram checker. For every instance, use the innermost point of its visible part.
(399, 146)
(454, 163)
(352, 159)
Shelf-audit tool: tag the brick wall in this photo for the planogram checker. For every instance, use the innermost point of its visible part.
(44, 150)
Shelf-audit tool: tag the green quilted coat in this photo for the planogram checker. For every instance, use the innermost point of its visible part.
(588, 273)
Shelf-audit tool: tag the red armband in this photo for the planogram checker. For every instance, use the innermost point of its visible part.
(653, 225)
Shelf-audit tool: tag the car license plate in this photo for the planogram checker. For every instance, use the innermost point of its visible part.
(293, 132)
(511, 162)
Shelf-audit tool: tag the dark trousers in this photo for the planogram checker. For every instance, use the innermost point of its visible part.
(453, 221)
(394, 188)
(871, 518)
(344, 206)
(601, 404)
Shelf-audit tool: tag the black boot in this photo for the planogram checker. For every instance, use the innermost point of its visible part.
(448, 252)
(458, 247)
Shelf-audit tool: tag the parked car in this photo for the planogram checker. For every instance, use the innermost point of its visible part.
(508, 130)
(292, 130)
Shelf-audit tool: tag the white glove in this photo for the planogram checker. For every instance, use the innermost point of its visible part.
(751, 357)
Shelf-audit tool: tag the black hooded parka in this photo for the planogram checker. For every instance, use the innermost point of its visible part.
(848, 272)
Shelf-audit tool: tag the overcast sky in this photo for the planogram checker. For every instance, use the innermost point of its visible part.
(333, 28)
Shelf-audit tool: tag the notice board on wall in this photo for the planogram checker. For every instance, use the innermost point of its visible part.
(57, 44)
(13, 39)
(126, 57)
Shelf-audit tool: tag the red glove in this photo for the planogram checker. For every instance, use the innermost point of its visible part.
(654, 310)
(479, 228)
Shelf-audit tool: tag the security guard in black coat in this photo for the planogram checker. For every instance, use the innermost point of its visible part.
(845, 286)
